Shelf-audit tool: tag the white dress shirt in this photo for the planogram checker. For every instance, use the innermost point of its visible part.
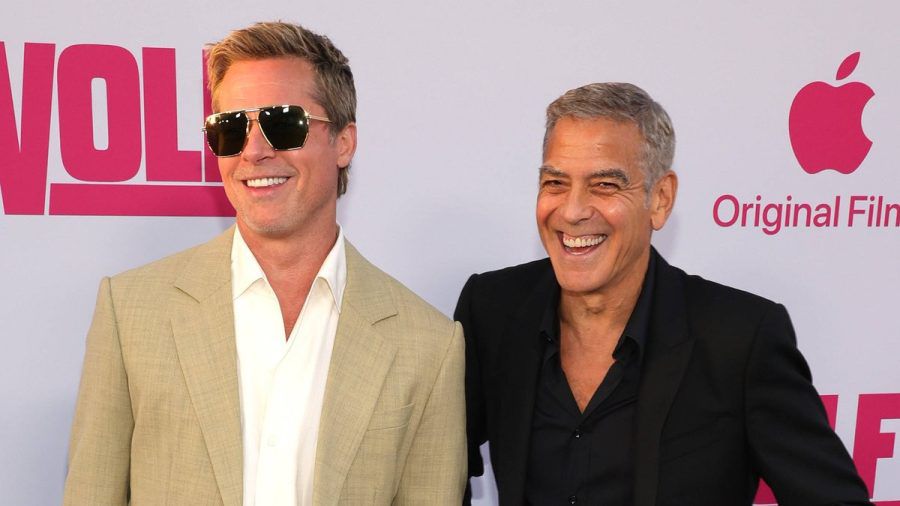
(282, 382)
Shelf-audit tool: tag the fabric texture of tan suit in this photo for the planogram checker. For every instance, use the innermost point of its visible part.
(158, 417)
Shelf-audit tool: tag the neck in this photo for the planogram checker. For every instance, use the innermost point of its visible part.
(292, 255)
(291, 264)
(602, 315)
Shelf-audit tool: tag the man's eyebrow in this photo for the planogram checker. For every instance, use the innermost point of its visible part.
(547, 170)
(621, 175)
(611, 173)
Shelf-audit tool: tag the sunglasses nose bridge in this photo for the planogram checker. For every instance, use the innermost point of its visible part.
(249, 133)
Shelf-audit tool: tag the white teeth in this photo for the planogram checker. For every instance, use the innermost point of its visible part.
(265, 181)
(584, 241)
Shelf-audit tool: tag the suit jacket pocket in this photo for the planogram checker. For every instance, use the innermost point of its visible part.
(391, 418)
(686, 442)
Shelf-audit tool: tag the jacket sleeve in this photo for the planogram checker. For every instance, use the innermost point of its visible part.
(476, 431)
(475, 404)
(795, 449)
(100, 444)
(435, 470)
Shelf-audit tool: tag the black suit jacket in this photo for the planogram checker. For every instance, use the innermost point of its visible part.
(725, 396)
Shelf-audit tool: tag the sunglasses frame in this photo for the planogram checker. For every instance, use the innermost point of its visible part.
(262, 130)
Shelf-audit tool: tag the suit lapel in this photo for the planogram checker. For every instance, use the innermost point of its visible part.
(360, 361)
(521, 365)
(203, 329)
(668, 352)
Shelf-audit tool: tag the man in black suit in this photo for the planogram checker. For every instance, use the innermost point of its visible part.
(603, 375)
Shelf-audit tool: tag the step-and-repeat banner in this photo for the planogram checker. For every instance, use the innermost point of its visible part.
(788, 157)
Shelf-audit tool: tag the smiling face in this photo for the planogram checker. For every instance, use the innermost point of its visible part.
(281, 194)
(593, 213)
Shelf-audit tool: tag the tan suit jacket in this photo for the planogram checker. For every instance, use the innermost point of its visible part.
(158, 417)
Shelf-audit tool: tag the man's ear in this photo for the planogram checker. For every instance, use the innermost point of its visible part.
(662, 199)
(345, 141)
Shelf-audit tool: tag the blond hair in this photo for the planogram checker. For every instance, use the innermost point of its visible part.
(334, 89)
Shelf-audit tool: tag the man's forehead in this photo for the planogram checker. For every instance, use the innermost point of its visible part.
(602, 130)
(591, 145)
(270, 70)
(255, 83)
(249, 83)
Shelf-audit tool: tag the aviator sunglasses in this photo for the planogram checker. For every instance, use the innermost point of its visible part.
(284, 127)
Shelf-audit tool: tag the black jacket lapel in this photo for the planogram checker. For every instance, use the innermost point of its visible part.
(668, 352)
(521, 367)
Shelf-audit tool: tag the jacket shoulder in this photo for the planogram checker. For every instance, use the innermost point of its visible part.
(411, 304)
(516, 281)
(408, 310)
(211, 258)
(164, 268)
(714, 309)
(711, 294)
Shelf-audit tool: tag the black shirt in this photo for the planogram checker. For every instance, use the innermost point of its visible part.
(587, 458)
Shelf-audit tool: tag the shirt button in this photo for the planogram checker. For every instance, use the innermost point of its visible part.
(573, 499)
(272, 441)
(577, 435)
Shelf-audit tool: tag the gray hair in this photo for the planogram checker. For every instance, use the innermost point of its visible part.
(626, 103)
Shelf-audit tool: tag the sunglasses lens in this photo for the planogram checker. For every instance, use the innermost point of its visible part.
(286, 127)
(226, 132)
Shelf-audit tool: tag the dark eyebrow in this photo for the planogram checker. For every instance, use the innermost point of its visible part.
(547, 170)
(611, 173)
(619, 174)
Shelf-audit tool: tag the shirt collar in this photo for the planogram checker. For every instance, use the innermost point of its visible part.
(245, 270)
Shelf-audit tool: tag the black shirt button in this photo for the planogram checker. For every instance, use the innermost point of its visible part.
(573, 499)
(577, 435)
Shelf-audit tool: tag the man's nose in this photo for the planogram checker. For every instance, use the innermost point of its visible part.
(256, 147)
(577, 206)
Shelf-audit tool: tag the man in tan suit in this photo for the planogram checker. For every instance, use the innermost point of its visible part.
(272, 365)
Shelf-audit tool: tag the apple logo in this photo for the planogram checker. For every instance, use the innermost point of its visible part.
(825, 123)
